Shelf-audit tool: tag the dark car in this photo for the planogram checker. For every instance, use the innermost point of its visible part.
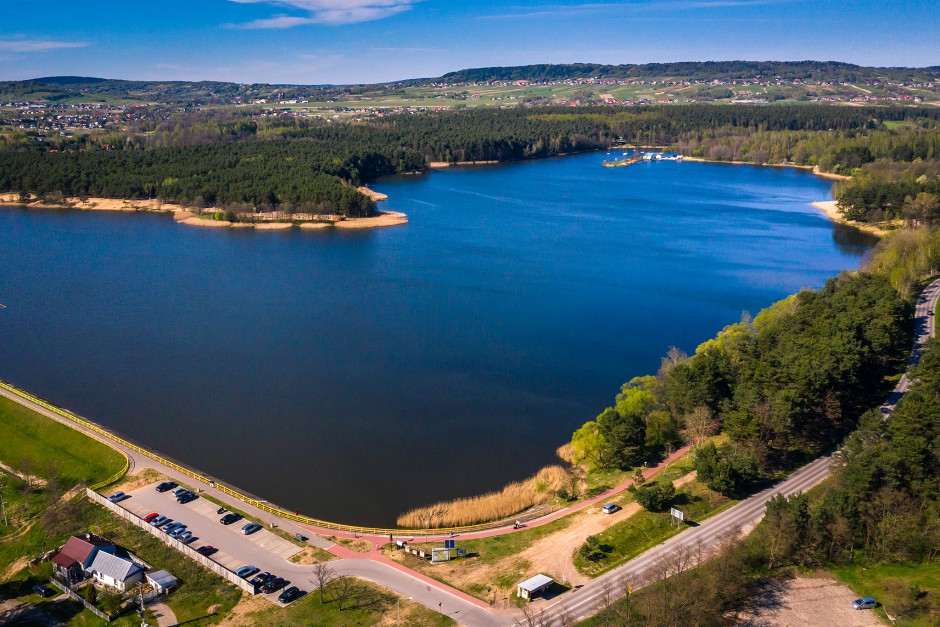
(291, 594)
(166, 486)
(186, 498)
(273, 585)
(206, 550)
(228, 519)
(262, 579)
(44, 592)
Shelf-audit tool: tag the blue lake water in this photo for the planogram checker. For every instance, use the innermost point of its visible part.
(353, 375)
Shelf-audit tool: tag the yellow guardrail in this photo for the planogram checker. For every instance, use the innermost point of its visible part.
(306, 520)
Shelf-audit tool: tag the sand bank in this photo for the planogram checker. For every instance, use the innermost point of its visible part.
(374, 195)
(385, 218)
(447, 164)
(831, 209)
(185, 216)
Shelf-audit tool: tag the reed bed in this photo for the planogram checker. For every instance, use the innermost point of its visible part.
(512, 499)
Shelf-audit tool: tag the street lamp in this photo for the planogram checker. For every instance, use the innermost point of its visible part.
(398, 617)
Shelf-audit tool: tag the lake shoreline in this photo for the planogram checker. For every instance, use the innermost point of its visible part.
(184, 215)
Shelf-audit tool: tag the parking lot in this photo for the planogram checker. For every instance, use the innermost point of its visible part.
(262, 549)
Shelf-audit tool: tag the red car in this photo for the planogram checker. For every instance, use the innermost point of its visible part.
(206, 550)
(149, 517)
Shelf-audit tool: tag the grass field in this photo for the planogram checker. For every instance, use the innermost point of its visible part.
(909, 593)
(636, 534)
(43, 446)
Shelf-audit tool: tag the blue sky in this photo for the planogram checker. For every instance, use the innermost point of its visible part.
(353, 41)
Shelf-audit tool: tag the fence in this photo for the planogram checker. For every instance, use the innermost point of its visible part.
(88, 606)
(185, 549)
(111, 439)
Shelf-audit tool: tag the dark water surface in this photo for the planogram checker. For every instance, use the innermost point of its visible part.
(352, 375)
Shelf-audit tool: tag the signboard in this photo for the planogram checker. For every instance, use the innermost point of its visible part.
(449, 544)
(440, 555)
(677, 515)
(461, 552)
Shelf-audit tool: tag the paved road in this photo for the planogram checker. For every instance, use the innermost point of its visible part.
(745, 514)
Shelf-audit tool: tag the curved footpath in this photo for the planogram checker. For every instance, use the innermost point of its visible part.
(580, 603)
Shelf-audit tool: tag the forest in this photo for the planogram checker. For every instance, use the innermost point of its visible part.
(238, 159)
(804, 375)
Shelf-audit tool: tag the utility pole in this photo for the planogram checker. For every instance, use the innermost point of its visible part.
(3, 506)
(142, 611)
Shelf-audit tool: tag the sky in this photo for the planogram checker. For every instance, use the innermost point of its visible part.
(369, 41)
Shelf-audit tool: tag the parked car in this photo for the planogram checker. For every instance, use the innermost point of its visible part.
(44, 592)
(117, 496)
(161, 520)
(610, 508)
(247, 571)
(206, 550)
(174, 529)
(151, 517)
(262, 579)
(186, 498)
(166, 486)
(228, 519)
(186, 537)
(250, 528)
(273, 585)
(178, 532)
(170, 527)
(179, 491)
(865, 603)
(291, 594)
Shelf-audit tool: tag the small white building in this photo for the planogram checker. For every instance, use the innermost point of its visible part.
(531, 587)
(161, 581)
(115, 572)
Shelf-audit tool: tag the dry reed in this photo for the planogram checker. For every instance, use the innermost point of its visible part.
(512, 499)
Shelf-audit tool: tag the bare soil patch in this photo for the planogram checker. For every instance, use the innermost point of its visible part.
(807, 601)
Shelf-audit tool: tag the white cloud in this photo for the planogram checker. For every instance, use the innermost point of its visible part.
(38, 45)
(332, 12)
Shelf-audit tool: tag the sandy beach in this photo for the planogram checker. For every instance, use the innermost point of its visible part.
(385, 218)
(831, 209)
(183, 215)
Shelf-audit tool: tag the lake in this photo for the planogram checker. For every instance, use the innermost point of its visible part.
(351, 375)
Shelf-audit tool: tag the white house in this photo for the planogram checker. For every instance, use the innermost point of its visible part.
(116, 572)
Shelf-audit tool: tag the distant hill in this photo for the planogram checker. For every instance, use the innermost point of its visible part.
(198, 93)
(702, 70)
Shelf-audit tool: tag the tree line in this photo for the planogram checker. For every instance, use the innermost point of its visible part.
(784, 387)
(241, 160)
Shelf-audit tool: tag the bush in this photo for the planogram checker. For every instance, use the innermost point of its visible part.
(654, 497)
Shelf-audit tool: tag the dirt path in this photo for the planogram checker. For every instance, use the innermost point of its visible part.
(554, 553)
(164, 615)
